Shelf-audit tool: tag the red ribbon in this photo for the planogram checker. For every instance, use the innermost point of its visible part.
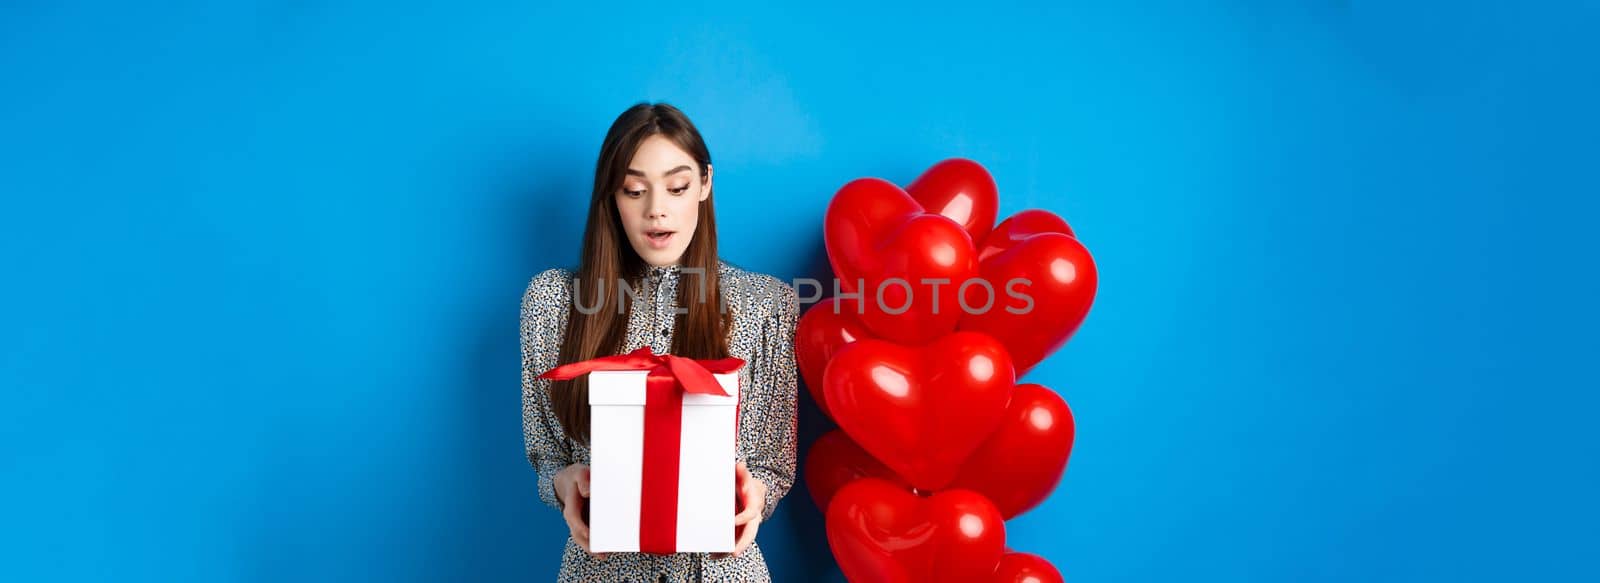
(669, 378)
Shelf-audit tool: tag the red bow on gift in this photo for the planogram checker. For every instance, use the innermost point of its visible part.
(693, 375)
(670, 377)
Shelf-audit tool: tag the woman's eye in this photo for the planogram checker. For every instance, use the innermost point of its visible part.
(633, 193)
(679, 190)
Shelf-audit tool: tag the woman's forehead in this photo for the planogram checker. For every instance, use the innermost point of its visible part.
(657, 157)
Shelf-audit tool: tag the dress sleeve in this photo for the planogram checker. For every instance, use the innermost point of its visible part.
(771, 456)
(547, 447)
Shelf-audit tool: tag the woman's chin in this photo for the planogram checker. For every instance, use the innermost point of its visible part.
(658, 257)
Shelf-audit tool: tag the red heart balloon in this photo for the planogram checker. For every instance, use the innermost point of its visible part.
(823, 330)
(1031, 255)
(1022, 461)
(834, 461)
(881, 533)
(961, 190)
(883, 245)
(920, 410)
(1025, 568)
(1018, 227)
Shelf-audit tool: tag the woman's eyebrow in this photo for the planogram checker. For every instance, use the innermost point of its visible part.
(641, 174)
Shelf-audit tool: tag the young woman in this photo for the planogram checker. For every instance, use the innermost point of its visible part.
(651, 228)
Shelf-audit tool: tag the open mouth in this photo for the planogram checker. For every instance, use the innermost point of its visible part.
(658, 238)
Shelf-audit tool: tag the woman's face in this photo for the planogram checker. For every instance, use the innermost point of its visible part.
(660, 200)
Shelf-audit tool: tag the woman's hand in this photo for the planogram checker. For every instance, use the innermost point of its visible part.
(572, 490)
(752, 495)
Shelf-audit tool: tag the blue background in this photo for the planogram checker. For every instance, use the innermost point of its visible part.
(263, 262)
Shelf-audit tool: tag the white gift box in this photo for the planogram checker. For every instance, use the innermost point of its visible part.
(705, 466)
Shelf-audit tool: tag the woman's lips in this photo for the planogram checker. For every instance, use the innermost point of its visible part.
(659, 239)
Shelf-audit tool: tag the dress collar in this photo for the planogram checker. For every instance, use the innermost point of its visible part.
(674, 270)
(661, 271)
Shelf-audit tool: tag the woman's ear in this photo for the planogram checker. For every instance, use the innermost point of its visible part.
(705, 189)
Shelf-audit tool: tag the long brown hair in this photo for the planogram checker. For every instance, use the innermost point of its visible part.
(607, 259)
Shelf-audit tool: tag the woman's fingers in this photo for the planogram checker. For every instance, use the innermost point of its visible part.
(582, 540)
(575, 520)
(752, 496)
(752, 509)
(571, 512)
(573, 509)
(572, 488)
(746, 537)
(580, 535)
